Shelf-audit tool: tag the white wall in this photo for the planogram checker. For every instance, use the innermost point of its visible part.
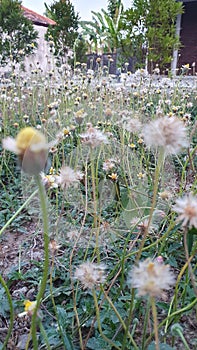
(42, 55)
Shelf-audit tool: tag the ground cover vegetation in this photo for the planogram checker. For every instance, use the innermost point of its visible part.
(120, 183)
(98, 210)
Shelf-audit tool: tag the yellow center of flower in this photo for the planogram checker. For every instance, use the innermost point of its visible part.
(29, 305)
(28, 137)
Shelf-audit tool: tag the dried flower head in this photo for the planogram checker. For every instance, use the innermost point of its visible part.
(31, 147)
(133, 125)
(68, 177)
(186, 208)
(168, 133)
(93, 137)
(90, 274)
(151, 277)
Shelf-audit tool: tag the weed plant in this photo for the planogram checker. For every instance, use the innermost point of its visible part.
(120, 212)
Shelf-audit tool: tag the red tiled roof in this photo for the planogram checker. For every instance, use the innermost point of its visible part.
(36, 18)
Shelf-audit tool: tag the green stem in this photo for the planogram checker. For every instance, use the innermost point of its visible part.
(180, 311)
(189, 264)
(43, 203)
(178, 280)
(95, 196)
(11, 312)
(159, 165)
(17, 212)
(145, 324)
(154, 312)
(109, 341)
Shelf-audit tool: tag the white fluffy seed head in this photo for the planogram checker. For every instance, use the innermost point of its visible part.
(151, 277)
(166, 132)
(186, 208)
(90, 274)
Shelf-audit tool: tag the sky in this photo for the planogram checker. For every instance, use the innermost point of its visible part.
(83, 7)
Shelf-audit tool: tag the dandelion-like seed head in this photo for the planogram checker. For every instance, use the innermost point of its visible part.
(186, 208)
(151, 277)
(68, 176)
(168, 133)
(90, 274)
(133, 125)
(93, 137)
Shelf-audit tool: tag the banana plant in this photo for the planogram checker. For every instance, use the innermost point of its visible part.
(104, 31)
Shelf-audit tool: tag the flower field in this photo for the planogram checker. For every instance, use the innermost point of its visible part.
(98, 215)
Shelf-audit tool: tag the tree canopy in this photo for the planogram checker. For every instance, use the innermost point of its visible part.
(151, 27)
(17, 34)
(65, 32)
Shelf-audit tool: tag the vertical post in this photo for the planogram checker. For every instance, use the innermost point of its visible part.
(175, 51)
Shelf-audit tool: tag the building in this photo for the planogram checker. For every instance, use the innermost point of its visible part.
(186, 29)
(42, 55)
(188, 34)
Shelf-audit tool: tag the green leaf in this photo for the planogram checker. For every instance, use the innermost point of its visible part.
(190, 238)
(62, 318)
(162, 346)
(97, 343)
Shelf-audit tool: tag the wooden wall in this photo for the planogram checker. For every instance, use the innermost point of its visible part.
(188, 51)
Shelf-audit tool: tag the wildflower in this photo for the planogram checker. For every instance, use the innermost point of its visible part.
(169, 133)
(93, 137)
(29, 308)
(108, 112)
(186, 208)
(132, 145)
(165, 195)
(108, 164)
(151, 277)
(90, 274)
(68, 177)
(141, 225)
(140, 141)
(31, 147)
(79, 116)
(113, 176)
(16, 125)
(53, 105)
(141, 175)
(156, 70)
(50, 181)
(159, 259)
(66, 132)
(53, 246)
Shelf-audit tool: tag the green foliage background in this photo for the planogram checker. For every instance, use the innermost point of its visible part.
(17, 34)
